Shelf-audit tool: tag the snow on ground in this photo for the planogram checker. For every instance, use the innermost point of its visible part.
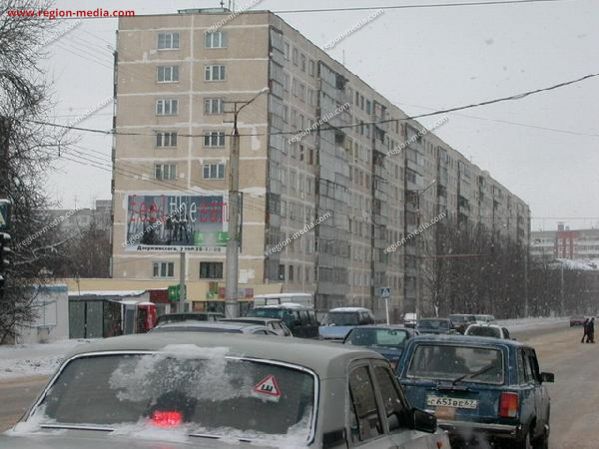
(33, 359)
(521, 324)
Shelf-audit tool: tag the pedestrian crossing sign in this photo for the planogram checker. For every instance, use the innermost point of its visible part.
(385, 292)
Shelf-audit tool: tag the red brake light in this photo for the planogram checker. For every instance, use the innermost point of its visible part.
(509, 404)
(167, 419)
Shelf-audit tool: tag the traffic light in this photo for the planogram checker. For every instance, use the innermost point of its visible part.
(5, 256)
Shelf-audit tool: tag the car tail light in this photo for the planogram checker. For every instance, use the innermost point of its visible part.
(167, 419)
(509, 403)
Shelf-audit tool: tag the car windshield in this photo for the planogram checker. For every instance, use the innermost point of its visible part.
(482, 331)
(449, 362)
(195, 390)
(362, 336)
(267, 313)
(342, 318)
(433, 324)
(458, 318)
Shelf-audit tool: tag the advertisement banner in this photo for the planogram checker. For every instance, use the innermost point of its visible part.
(177, 222)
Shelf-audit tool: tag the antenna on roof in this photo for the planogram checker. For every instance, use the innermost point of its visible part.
(222, 3)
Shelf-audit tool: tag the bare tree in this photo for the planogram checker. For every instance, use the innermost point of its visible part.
(23, 105)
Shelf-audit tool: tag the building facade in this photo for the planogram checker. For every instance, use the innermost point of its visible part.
(564, 243)
(333, 175)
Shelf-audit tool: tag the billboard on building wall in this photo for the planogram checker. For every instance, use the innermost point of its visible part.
(177, 222)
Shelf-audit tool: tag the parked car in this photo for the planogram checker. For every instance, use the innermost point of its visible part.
(461, 321)
(387, 340)
(340, 320)
(215, 327)
(275, 325)
(207, 391)
(410, 319)
(487, 330)
(300, 319)
(484, 319)
(482, 390)
(435, 326)
(577, 320)
(189, 316)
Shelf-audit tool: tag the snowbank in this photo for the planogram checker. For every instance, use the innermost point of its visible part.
(522, 324)
(29, 360)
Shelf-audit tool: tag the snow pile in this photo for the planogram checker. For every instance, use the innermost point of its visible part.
(29, 360)
(580, 264)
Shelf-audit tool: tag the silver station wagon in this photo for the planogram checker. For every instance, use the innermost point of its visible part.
(205, 390)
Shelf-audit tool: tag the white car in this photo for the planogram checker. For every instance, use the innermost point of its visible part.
(488, 330)
(484, 319)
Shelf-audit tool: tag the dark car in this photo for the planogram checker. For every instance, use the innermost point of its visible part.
(388, 341)
(482, 390)
(189, 316)
(435, 326)
(300, 319)
(577, 320)
(214, 327)
(274, 324)
(461, 321)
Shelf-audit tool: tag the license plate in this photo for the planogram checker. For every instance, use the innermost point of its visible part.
(444, 401)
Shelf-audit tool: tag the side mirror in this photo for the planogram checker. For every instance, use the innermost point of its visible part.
(423, 421)
(548, 377)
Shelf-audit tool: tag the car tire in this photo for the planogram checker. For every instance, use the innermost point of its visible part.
(542, 442)
(525, 443)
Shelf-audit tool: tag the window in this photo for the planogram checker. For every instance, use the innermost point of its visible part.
(214, 139)
(290, 272)
(294, 56)
(216, 39)
(167, 73)
(211, 270)
(213, 106)
(167, 107)
(214, 171)
(287, 51)
(312, 68)
(365, 422)
(303, 62)
(215, 73)
(166, 139)
(168, 41)
(165, 171)
(368, 107)
(281, 272)
(390, 394)
(164, 269)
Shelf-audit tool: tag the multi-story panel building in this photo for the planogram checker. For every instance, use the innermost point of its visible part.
(322, 147)
(564, 243)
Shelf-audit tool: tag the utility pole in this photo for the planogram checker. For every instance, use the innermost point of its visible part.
(562, 300)
(182, 283)
(419, 240)
(232, 274)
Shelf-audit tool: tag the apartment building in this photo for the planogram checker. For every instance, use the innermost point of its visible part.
(565, 243)
(321, 147)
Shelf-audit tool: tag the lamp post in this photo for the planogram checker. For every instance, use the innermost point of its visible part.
(418, 240)
(232, 274)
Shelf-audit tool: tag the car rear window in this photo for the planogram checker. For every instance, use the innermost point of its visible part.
(214, 395)
(481, 331)
(449, 362)
(377, 337)
(433, 324)
(342, 318)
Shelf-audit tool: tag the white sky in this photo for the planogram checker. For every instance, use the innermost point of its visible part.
(421, 59)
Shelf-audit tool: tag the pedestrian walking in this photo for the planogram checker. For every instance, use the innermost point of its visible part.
(585, 328)
(591, 331)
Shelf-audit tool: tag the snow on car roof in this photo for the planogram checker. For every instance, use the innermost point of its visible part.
(286, 305)
(349, 309)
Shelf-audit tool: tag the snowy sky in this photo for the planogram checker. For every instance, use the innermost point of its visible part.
(543, 148)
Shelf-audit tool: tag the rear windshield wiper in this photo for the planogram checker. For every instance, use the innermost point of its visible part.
(474, 374)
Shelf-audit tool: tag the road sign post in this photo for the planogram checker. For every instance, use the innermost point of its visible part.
(385, 293)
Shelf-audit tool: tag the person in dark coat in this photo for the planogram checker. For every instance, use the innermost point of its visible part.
(585, 328)
(591, 331)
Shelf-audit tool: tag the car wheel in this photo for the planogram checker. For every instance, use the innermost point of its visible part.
(525, 443)
(542, 442)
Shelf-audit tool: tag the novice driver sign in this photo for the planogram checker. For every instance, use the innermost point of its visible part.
(268, 389)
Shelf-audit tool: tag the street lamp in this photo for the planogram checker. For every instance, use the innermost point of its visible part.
(418, 261)
(232, 275)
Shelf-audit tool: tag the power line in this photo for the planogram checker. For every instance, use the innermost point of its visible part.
(429, 5)
(354, 125)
